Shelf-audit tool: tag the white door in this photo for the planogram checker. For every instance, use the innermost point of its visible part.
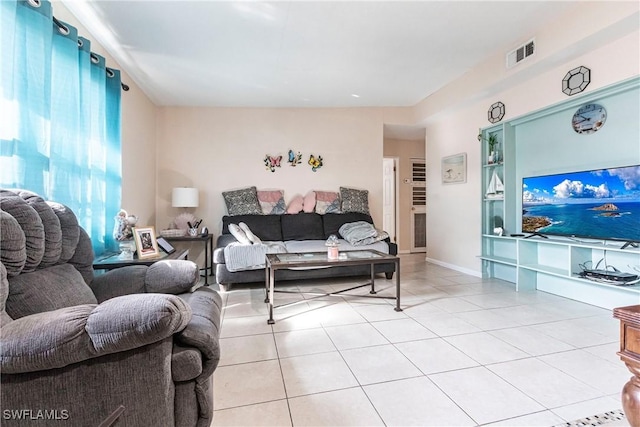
(418, 205)
(389, 197)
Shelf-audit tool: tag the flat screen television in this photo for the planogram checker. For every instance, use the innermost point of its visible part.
(600, 204)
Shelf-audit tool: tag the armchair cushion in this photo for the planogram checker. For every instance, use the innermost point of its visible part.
(51, 224)
(70, 230)
(45, 290)
(59, 338)
(31, 225)
(14, 249)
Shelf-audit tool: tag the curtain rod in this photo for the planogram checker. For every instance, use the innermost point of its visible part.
(65, 30)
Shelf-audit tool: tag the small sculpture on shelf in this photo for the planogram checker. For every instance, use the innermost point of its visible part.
(123, 227)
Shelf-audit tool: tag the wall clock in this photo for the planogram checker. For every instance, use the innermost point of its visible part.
(589, 118)
(496, 112)
(576, 80)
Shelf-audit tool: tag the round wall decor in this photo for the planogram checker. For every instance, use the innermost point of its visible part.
(589, 118)
(576, 80)
(496, 112)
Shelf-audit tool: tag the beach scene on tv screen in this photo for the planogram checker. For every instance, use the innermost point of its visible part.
(603, 204)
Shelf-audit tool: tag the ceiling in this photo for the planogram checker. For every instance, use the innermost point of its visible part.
(305, 53)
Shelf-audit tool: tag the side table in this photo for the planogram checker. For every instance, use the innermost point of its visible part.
(207, 240)
(630, 355)
(111, 261)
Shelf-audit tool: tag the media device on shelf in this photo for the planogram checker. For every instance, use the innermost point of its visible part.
(600, 204)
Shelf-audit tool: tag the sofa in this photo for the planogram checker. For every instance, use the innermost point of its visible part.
(301, 232)
(136, 346)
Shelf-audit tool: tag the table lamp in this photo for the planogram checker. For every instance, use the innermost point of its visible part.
(184, 197)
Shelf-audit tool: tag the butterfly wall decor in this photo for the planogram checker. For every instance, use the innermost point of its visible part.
(315, 162)
(272, 162)
(294, 159)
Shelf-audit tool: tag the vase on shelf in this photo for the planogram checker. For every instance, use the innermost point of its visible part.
(491, 158)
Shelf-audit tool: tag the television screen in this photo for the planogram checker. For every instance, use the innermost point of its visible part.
(601, 204)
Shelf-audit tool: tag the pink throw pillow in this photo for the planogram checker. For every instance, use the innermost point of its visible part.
(271, 202)
(295, 205)
(309, 202)
(327, 202)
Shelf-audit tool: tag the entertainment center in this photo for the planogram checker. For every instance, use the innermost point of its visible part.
(562, 239)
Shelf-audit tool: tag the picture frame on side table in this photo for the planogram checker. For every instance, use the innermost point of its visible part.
(454, 169)
(146, 243)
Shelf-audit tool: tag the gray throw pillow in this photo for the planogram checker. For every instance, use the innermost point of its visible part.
(242, 202)
(354, 200)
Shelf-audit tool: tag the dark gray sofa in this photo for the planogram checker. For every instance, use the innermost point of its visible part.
(309, 231)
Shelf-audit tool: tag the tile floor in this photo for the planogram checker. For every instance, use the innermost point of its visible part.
(464, 352)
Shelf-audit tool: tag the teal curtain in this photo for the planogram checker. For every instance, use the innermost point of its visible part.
(60, 117)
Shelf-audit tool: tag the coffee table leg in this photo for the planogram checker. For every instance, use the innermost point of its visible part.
(373, 278)
(398, 286)
(266, 284)
(271, 285)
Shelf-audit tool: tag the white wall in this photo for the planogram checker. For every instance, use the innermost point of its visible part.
(603, 36)
(218, 149)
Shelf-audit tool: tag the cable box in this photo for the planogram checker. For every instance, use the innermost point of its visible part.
(615, 276)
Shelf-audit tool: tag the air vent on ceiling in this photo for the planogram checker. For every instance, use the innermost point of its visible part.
(521, 53)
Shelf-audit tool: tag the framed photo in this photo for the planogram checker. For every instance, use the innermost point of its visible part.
(454, 169)
(146, 243)
(165, 246)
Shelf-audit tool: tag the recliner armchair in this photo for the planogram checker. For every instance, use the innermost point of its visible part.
(77, 347)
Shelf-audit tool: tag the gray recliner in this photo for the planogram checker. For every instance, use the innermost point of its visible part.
(133, 347)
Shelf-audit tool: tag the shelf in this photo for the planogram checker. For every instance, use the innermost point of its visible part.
(500, 260)
(546, 269)
(523, 150)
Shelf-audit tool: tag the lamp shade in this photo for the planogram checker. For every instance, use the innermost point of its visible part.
(184, 197)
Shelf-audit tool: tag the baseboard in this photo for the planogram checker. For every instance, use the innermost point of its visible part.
(404, 252)
(454, 267)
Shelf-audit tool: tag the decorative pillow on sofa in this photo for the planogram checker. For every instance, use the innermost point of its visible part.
(242, 202)
(354, 200)
(272, 202)
(295, 205)
(327, 202)
(309, 202)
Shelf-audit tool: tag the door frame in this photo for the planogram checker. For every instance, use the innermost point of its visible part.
(396, 196)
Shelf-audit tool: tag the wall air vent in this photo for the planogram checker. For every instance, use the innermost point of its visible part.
(521, 53)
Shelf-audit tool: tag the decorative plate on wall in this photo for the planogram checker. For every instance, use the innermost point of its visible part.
(576, 80)
(496, 112)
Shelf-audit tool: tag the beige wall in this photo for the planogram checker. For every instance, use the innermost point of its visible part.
(404, 150)
(219, 149)
(600, 35)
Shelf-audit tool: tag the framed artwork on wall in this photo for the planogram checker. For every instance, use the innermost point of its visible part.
(146, 243)
(454, 169)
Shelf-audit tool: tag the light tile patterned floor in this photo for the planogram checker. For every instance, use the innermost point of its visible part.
(464, 352)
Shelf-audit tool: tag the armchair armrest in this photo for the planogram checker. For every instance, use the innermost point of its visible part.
(171, 276)
(203, 330)
(118, 282)
(69, 335)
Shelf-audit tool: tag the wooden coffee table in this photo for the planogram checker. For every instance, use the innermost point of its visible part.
(370, 257)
